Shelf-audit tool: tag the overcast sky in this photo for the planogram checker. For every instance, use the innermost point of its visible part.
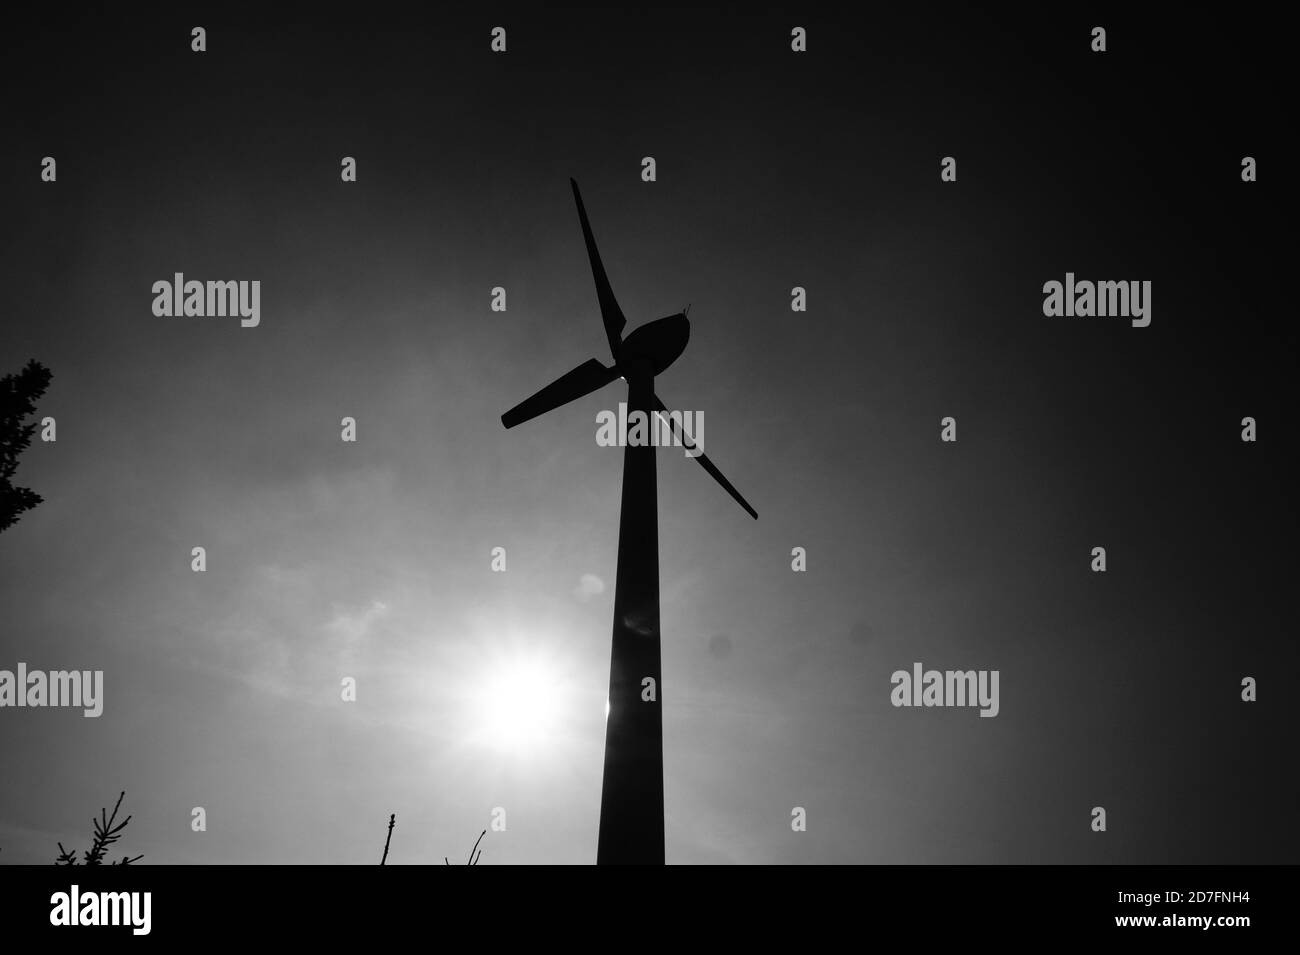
(373, 560)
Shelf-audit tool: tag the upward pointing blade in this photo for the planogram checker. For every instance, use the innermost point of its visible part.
(609, 310)
(583, 380)
(703, 459)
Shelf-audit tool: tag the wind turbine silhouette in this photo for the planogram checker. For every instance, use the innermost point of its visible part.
(632, 792)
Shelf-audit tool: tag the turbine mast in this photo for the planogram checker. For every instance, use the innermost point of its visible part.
(632, 792)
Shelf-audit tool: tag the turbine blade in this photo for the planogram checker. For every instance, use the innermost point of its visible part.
(704, 460)
(570, 386)
(610, 313)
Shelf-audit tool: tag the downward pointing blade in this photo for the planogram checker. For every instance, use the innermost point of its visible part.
(609, 310)
(583, 380)
(703, 459)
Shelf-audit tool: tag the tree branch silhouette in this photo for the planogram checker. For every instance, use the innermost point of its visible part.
(392, 821)
(107, 830)
(18, 396)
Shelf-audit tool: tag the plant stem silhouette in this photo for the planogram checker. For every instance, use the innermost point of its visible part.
(392, 821)
(474, 854)
(473, 859)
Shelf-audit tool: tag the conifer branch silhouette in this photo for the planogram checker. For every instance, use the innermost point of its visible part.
(18, 396)
(106, 832)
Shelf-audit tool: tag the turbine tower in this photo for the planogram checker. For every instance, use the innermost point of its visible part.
(632, 792)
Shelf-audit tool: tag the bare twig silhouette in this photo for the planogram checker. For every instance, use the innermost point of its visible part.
(474, 854)
(473, 859)
(392, 821)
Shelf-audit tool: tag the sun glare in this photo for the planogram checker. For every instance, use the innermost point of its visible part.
(519, 704)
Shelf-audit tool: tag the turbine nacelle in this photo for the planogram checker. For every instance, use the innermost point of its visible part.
(657, 344)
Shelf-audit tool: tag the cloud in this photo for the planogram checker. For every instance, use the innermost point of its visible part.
(589, 585)
(353, 626)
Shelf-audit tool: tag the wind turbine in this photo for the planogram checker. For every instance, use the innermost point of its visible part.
(632, 792)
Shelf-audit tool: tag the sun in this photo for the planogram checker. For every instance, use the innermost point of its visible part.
(519, 704)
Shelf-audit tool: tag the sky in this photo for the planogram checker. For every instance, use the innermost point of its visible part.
(372, 560)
